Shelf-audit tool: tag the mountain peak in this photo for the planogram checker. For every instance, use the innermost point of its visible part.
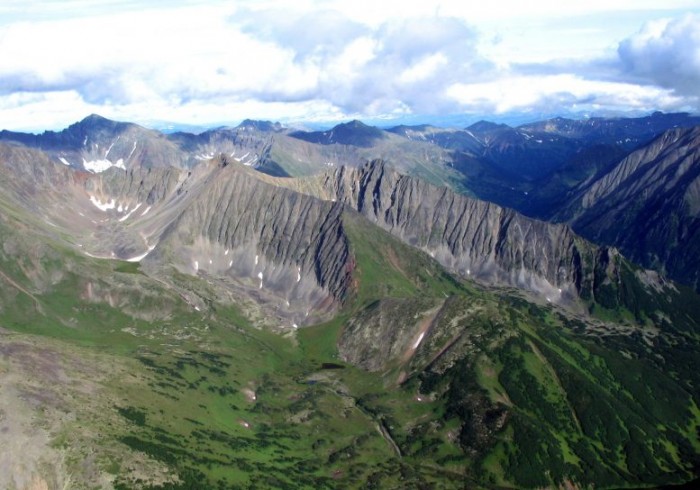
(95, 118)
(357, 133)
(353, 133)
(402, 128)
(97, 122)
(482, 126)
(259, 125)
(355, 123)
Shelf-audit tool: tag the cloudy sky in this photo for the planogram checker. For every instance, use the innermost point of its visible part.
(217, 62)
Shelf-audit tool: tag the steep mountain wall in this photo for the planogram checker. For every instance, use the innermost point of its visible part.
(284, 241)
(648, 205)
(474, 238)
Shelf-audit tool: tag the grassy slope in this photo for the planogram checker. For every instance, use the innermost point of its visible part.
(523, 397)
(577, 409)
(188, 401)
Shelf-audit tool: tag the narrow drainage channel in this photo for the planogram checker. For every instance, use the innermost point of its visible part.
(384, 431)
(380, 424)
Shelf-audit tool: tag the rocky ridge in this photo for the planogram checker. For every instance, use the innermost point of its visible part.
(474, 238)
(285, 249)
(648, 205)
(224, 219)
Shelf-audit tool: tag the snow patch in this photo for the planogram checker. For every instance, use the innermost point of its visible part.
(138, 258)
(239, 160)
(125, 217)
(103, 206)
(203, 156)
(226, 252)
(260, 276)
(132, 151)
(230, 264)
(256, 260)
(147, 210)
(298, 274)
(110, 147)
(196, 265)
(65, 162)
(98, 166)
(417, 342)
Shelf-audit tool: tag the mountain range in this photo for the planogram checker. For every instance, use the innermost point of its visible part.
(540, 169)
(260, 306)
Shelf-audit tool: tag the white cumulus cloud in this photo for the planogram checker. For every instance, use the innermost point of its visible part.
(549, 93)
(665, 53)
(222, 61)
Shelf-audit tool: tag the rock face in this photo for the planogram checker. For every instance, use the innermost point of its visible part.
(289, 243)
(221, 220)
(648, 205)
(471, 237)
(388, 330)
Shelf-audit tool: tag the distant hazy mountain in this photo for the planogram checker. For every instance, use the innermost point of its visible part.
(626, 132)
(96, 144)
(353, 133)
(451, 139)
